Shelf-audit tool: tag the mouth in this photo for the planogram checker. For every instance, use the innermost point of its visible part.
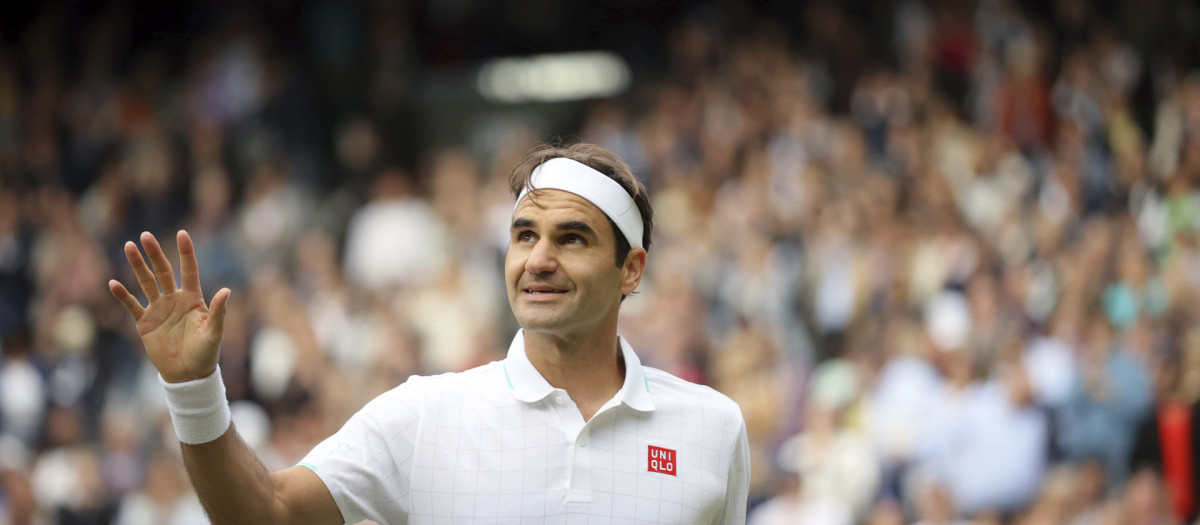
(542, 291)
(534, 291)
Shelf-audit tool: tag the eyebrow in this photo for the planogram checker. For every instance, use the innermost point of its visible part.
(578, 226)
(523, 223)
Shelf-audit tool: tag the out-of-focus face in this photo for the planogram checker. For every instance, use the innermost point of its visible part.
(1144, 497)
(559, 270)
(886, 512)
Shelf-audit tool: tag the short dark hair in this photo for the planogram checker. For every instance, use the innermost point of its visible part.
(604, 161)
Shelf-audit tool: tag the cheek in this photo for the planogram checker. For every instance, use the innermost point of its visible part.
(514, 264)
(600, 282)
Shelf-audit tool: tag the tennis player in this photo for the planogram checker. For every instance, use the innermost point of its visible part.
(568, 428)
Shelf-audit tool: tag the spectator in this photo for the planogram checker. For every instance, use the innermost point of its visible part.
(1167, 439)
(382, 235)
(1111, 394)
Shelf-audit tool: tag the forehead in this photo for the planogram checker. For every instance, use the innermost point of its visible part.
(559, 205)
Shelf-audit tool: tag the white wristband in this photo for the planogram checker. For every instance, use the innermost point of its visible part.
(198, 408)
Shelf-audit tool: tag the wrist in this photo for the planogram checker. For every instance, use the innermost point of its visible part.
(177, 379)
(199, 409)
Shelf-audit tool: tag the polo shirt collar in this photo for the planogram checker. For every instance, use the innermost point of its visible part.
(528, 385)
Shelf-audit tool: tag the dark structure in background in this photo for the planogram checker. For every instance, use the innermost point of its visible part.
(410, 64)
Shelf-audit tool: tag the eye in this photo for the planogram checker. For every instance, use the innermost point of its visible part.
(526, 236)
(573, 238)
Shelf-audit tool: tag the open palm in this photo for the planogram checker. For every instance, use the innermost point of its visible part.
(181, 334)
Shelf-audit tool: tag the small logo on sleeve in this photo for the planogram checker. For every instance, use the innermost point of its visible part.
(662, 460)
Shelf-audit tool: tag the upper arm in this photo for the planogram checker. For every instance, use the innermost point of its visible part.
(365, 466)
(738, 484)
(304, 498)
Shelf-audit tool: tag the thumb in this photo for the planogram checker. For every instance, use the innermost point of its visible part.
(217, 310)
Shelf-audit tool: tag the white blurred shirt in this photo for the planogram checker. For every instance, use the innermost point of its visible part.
(795, 511)
(394, 242)
(989, 454)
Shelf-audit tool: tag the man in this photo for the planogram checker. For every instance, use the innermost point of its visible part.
(569, 428)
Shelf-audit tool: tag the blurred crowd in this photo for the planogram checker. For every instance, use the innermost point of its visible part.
(946, 258)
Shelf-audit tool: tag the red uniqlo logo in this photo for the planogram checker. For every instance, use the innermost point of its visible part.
(662, 460)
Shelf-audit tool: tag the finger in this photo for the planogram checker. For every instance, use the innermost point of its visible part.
(142, 271)
(189, 270)
(127, 299)
(162, 267)
(217, 310)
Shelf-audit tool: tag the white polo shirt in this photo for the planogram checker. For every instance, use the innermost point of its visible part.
(498, 444)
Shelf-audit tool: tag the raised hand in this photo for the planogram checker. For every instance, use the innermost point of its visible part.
(182, 336)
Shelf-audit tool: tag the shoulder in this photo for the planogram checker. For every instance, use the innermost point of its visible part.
(672, 393)
(482, 373)
(452, 388)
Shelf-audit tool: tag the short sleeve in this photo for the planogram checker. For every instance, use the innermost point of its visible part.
(366, 465)
(739, 481)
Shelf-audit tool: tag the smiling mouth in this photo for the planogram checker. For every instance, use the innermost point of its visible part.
(544, 292)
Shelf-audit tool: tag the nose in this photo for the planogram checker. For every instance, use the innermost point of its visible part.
(542, 258)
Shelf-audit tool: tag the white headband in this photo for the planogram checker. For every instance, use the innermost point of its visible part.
(564, 174)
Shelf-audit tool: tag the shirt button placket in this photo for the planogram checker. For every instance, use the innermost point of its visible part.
(581, 469)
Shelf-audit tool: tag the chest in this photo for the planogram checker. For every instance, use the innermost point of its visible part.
(541, 460)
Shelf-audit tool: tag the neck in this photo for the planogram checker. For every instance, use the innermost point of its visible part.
(588, 367)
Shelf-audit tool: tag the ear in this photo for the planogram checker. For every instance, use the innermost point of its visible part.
(631, 272)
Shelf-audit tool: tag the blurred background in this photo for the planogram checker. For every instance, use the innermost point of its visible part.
(945, 255)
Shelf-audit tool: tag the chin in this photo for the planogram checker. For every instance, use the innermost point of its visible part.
(543, 321)
(536, 323)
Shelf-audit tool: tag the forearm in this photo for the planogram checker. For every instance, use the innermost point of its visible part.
(233, 485)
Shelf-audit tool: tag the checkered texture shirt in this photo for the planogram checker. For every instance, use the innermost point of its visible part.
(498, 444)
